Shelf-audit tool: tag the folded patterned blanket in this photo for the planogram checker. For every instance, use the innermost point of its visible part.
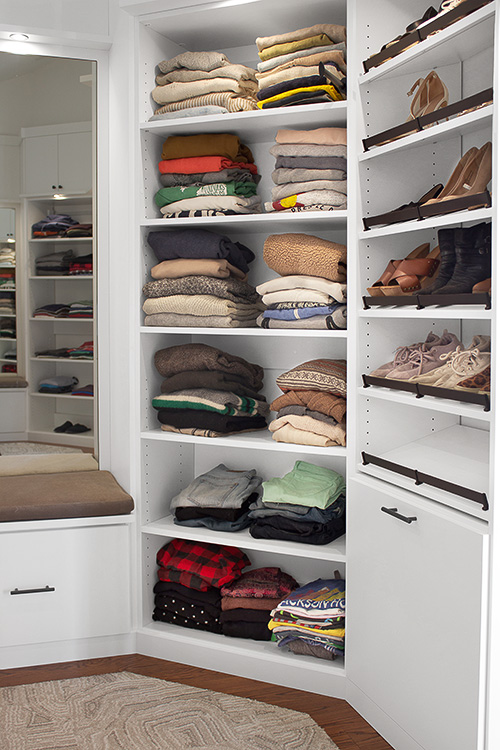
(317, 322)
(290, 254)
(334, 31)
(285, 176)
(176, 320)
(199, 357)
(180, 267)
(194, 61)
(318, 40)
(222, 402)
(195, 164)
(224, 202)
(231, 289)
(200, 304)
(313, 197)
(327, 403)
(230, 101)
(167, 195)
(199, 243)
(295, 188)
(184, 75)
(282, 60)
(310, 149)
(206, 144)
(207, 178)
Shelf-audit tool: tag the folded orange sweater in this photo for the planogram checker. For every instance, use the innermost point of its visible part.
(195, 164)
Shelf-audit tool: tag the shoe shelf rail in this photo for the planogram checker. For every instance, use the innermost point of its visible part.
(428, 300)
(420, 390)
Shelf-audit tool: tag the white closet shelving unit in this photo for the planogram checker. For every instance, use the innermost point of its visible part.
(169, 462)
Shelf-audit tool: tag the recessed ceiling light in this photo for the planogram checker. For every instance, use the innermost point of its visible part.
(19, 37)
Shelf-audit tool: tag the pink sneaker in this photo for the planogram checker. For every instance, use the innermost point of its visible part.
(403, 354)
(422, 361)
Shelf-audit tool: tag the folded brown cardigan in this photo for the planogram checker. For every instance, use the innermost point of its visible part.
(290, 254)
(326, 403)
(209, 144)
(177, 359)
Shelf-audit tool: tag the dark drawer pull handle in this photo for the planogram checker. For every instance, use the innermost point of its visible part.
(394, 512)
(33, 591)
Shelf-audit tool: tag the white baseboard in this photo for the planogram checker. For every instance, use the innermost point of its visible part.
(60, 651)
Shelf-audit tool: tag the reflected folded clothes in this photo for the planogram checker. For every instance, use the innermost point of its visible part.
(213, 202)
(258, 631)
(322, 93)
(51, 311)
(200, 304)
(194, 164)
(176, 179)
(211, 144)
(205, 420)
(289, 434)
(217, 380)
(296, 284)
(215, 524)
(86, 390)
(161, 614)
(57, 384)
(221, 402)
(176, 320)
(313, 197)
(192, 112)
(182, 267)
(294, 188)
(231, 102)
(335, 322)
(230, 289)
(57, 223)
(168, 195)
(199, 243)
(79, 230)
(279, 527)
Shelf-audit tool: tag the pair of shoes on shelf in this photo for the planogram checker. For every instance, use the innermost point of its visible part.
(431, 94)
(408, 276)
(442, 362)
(72, 429)
(465, 261)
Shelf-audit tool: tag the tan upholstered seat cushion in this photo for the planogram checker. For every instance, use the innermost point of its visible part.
(66, 495)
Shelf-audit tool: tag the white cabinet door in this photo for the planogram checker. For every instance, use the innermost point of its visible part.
(414, 615)
(67, 583)
(40, 165)
(7, 224)
(75, 163)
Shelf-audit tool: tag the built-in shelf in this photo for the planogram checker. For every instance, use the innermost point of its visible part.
(457, 312)
(80, 439)
(456, 43)
(62, 359)
(7, 338)
(8, 361)
(262, 440)
(447, 220)
(261, 332)
(60, 239)
(64, 320)
(73, 277)
(62, 395)
(305, 221)
(335, 551)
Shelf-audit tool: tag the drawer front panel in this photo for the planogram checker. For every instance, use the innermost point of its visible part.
(88, 570)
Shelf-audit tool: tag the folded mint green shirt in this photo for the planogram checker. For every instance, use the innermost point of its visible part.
(307, 484)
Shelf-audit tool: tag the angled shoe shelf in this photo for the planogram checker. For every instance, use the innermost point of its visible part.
(419, 390)
(428, 300)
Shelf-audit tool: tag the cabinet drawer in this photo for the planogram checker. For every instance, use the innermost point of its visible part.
(416, 585)
(86, 571)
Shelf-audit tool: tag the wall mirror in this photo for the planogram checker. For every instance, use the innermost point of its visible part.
(47, 253)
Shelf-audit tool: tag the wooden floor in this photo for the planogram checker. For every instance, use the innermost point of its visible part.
(338, 719)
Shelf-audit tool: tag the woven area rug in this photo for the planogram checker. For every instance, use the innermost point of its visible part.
(125, 711)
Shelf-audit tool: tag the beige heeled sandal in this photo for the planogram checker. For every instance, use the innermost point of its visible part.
(431, 94)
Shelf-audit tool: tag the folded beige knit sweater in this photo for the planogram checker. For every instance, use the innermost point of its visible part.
(335, 56)
(182, 75)
(334, 432)
(334, 31)
(289, 434)
(319, 136)
(290, 254)
(175, 92)
(199, 304)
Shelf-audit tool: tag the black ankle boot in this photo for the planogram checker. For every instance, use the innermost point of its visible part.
(447, 261)
(473, 264)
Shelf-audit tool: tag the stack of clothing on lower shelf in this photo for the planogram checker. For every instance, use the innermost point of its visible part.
(7, 326)
(312, 409)
(306, 505)
(7, 280)
(311, 621)
(289, 70)
(208, 392)
(190, 576)
(10, 353)
(58, 384)
(248, 601)
(310, 170)
(84, 390)
(7, 256)
(202, 83)
(79, 230)
(7, 304)
(312, 290)
(199, 281)
(81, 265)
(191, 170)
(219, 499)
(84, 351)
(54, 225)
(54, 264)
(83, 308)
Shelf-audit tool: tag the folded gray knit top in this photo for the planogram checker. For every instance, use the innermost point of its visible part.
(194, 61)
(230, 288)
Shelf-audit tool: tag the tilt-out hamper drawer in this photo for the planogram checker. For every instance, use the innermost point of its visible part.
(64, 584)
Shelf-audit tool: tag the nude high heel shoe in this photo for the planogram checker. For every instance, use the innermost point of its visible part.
(431, 95)
(470, 176)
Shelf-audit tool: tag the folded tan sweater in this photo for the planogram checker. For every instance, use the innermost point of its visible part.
(289, 434)
(335, 56)
(334, 31)
(175, 92)
(326, 403)
(318, 136)
(238, 72)
(180, 267)
(290, 254)
(335, 433)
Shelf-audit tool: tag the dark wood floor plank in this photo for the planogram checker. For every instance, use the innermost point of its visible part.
(339, 720)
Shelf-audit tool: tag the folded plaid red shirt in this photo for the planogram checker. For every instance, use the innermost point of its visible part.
(198, 565)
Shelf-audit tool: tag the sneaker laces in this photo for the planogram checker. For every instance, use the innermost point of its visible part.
(419, 357)
(404, 353)
(465, 363)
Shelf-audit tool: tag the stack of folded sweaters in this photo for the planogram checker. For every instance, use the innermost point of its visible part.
(312, 409)
(7, 304)
(310, 170)
(208, 392)
(311, 621)
(7, 279)
(248, 601)
(289, 69)
(306, 505)
(7, 325)
(199, 281)
(84, 351)
(311, 292)
(190, 576)
(54, 264)
(54, 225)
(58, 384)
(81, 265)
(218, 499)
(7, 256)
(202, 83)
(205, 175)
(77, 310)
